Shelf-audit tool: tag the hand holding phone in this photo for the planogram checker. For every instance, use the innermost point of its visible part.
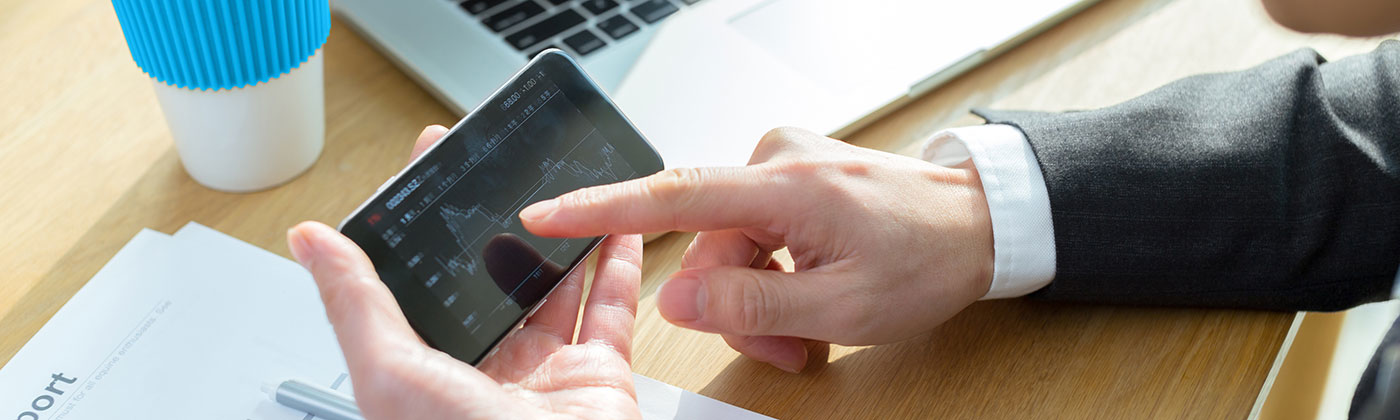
(397, 376)
(445, 235)
(434, 273)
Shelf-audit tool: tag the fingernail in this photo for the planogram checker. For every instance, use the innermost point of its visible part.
(682, 299)
(792, 363)
(301, 249)
(787, 367)
(539, 210)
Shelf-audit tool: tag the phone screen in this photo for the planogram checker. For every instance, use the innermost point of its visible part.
(446, 236)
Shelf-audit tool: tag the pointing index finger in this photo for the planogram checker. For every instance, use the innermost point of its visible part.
(688, 199)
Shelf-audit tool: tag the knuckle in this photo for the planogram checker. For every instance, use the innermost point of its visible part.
(814, 177)
(627, 255)
(830, 177)
(776, 140)
(851, 168)
(674, 187)
(759, 307)
(693, 254)
(783, 135)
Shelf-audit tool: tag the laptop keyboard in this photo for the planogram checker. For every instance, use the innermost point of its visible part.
(583, 26)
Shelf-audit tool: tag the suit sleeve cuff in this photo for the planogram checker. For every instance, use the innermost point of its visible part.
(1022, 234)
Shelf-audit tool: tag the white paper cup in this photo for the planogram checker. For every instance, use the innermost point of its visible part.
(249, 138)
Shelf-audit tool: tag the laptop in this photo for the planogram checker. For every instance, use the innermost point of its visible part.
(704, 79)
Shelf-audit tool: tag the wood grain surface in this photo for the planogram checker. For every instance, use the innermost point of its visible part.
(86, 162)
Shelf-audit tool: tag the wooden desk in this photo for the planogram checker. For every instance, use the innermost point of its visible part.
(86, 162)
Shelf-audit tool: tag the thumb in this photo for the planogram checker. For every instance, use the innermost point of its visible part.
(395, 374)
(367, 320)
(752, 302)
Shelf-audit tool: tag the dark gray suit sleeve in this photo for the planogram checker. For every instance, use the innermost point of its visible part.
(1276, 187)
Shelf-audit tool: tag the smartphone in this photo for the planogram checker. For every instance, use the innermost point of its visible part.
(445, 233)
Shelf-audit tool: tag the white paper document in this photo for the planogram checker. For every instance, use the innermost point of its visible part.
(192, 325)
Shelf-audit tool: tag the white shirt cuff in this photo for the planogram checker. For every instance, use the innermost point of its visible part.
(1022, 236)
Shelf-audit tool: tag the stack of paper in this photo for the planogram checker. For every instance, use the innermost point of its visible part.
(192, 325)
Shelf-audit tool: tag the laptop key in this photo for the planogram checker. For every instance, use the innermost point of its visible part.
(545, 29)
(652, 11)
(584, 42)
(617, 27)
(512, 16)
(597, 7)
(690, 2)
(557, 2)
(475, 7)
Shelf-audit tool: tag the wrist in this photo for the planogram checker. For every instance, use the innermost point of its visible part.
(981, 258)
(1016, 197)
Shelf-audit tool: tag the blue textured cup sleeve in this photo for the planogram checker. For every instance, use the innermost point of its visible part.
(222, 44)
